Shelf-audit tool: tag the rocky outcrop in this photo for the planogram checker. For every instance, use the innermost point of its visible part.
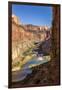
(15, 19)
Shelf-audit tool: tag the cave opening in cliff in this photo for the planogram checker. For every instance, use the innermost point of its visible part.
(35, 44)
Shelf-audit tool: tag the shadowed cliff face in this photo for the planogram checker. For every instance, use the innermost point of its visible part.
(56, 30)
(48, 73)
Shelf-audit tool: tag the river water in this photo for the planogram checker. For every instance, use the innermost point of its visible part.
(27, 69)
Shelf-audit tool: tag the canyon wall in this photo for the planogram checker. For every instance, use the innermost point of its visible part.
(23, 36)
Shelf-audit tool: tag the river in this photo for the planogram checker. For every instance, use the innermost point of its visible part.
(27, 68)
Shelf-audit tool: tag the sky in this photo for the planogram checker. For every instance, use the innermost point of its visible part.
(36, 15)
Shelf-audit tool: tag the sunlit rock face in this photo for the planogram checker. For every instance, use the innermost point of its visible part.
(15, 19)
(16, 37)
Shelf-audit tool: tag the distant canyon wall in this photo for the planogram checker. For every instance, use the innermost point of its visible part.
(30, 32)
